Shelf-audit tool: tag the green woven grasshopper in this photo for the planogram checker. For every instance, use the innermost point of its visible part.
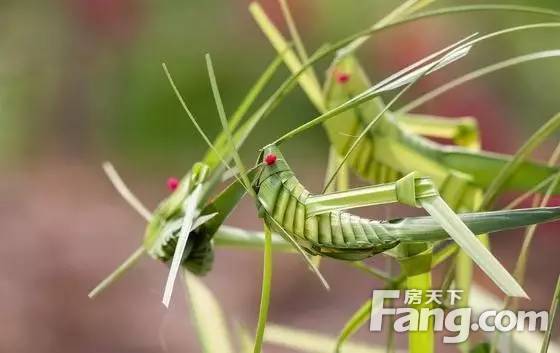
(319, 224)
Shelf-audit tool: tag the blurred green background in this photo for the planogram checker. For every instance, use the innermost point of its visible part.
(81, 82)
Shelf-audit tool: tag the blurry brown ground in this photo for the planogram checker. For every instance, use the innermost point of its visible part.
(82, 83)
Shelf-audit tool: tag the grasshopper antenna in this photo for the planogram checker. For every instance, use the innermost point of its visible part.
(191, 202)
(241, 167)
(137, 205)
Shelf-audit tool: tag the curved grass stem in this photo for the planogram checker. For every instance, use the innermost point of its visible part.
(265, 293)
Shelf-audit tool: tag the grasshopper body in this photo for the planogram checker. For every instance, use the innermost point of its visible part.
(390, 151)
(319, 224)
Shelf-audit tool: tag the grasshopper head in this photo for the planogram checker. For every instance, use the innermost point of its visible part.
(160, 235)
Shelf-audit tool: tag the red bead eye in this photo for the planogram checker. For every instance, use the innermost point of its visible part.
(172, 183)
(342, 77)
(270, 159)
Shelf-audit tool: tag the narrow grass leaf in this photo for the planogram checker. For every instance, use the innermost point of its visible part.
(312, 342)
(265, 292)
(189, 207)
(287, 85)
(137, 205)
(477, 74)
(490, 7)
(222, 115)
(203, 219)
(207, 316)
(401, 11)
(521, 263)
(296, 38)
(356, 321)
(401, 78)
(468, 242)
(228, 236)
(125, 192)
(306, 79)
(523, 341)
(211, 158)
(552, 312)
(192, 118)
(244, 338)
(266, 108)
(118, 272)
(518, 200)
(525, 151)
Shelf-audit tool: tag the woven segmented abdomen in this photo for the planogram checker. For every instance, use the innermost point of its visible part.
(348, 237)
(336, 234)
(367, 166)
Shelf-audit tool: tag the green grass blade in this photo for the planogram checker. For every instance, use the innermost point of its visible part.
(191, 116)
(399, 79)
(403, 10)
(294, 34)
(360, 316)
(288, 84)
(509, 169)
(207, 316)
(468, 242)
(312, 342)
(419, 5)
(356, 321)
(137, 205)
(227, 236)
(265, 293)
(491, 7)
(523, 341)
(197, 126)
(552, 312)
(210, 158)
(521, 263)
(518, 200)
(118, 272)
(306, 79)
(421, 341)
(225, 126)
(125, 192)
(244, 338)
(477, 74)
(553, 158)
(359, 38)
(190, 207)
(374, 272)
(441, 255)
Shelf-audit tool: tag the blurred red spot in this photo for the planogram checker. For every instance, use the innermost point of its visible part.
(342, 77)
(172, 183)
(270, 159)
